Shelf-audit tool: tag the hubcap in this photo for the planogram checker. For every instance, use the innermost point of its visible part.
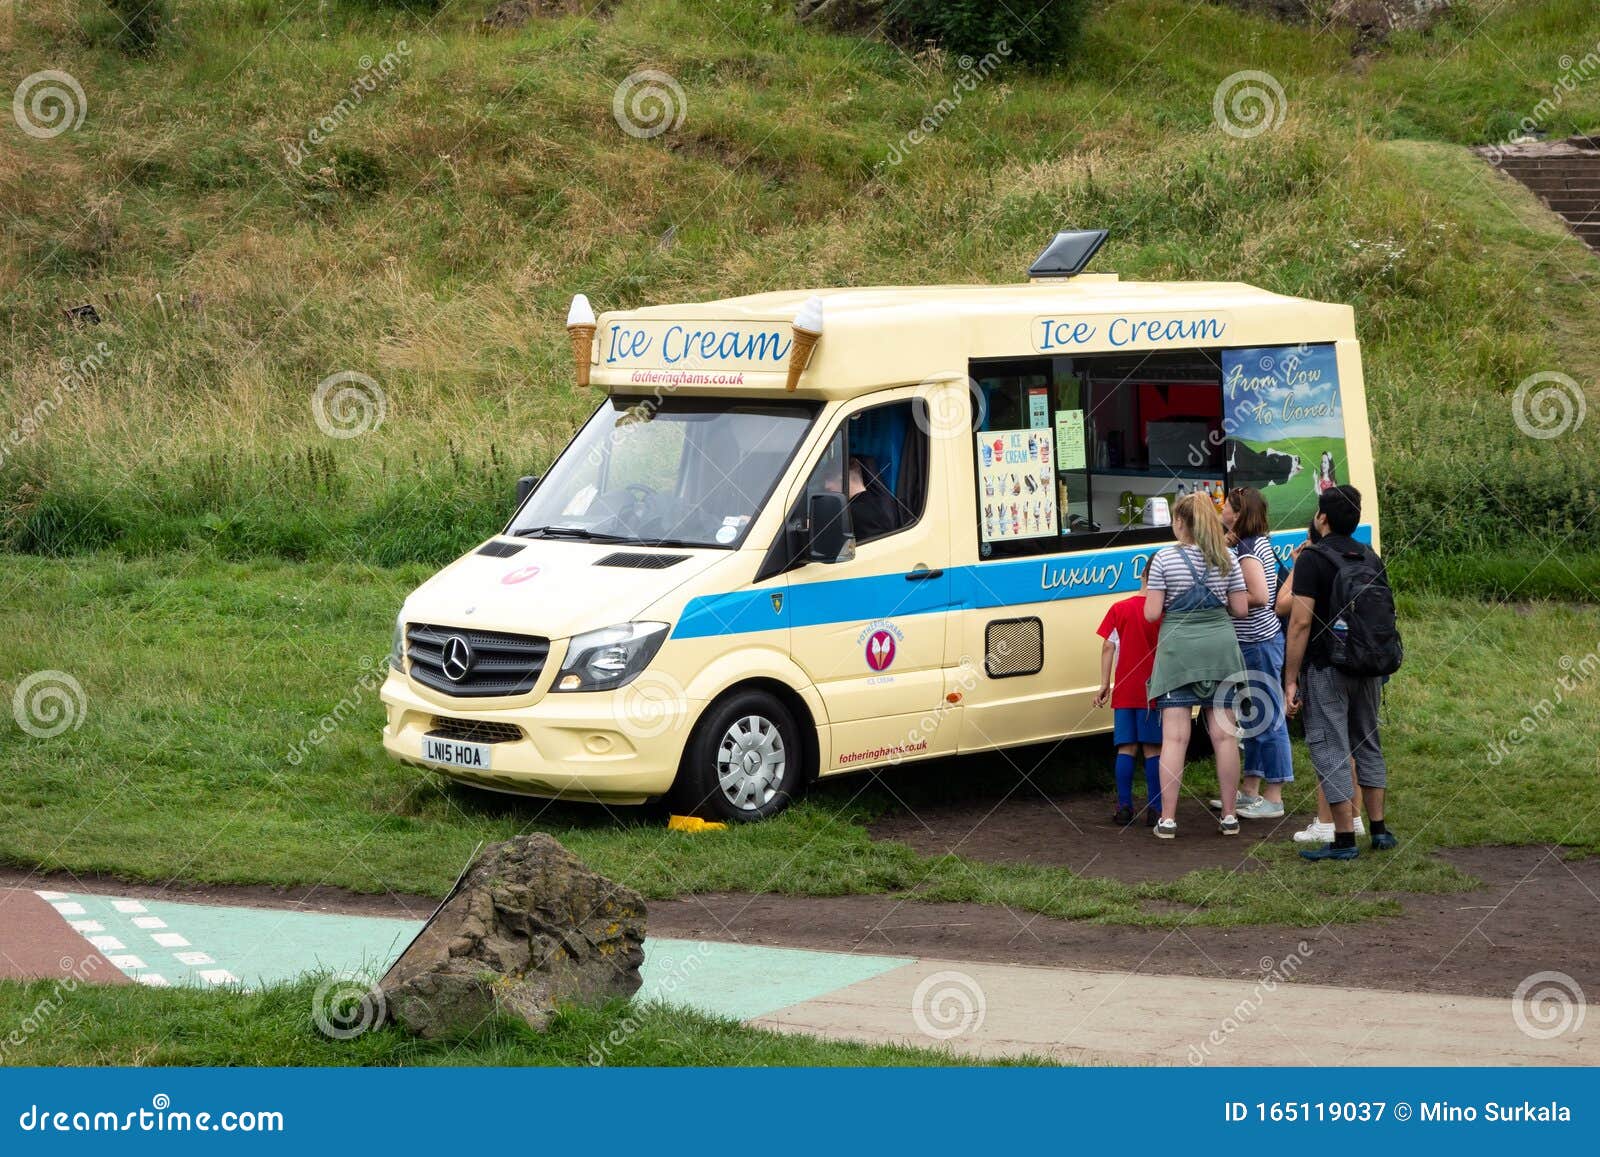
(751, 762)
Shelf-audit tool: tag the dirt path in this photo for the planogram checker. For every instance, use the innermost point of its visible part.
(1536, 913)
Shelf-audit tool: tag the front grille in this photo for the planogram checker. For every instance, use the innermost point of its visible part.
(474, 730)
(497, 663)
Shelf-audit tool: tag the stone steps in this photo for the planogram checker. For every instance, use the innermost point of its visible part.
(1565, 178)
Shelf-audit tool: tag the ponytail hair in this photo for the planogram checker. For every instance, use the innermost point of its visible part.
(1204, 525)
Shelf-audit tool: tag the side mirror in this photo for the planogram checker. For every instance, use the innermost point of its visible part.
(525, 486)
(830, 528)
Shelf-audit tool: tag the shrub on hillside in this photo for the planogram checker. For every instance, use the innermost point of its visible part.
(140, 24)
(1037, 32)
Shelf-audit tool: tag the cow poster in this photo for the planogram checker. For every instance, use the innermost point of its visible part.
(1284, 425)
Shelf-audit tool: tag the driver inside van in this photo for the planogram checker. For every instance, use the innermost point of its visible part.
(874, 512)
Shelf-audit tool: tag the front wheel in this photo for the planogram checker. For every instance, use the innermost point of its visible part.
(745, 761)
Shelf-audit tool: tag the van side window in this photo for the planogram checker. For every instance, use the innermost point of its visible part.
(878, 459)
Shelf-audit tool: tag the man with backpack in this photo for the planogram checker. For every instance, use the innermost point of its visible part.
(1343, 643)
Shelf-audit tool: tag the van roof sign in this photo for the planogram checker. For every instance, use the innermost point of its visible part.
(1069, 253)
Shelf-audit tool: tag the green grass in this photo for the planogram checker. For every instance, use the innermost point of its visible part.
(434, 240)
(201, 678)
(134, 1025)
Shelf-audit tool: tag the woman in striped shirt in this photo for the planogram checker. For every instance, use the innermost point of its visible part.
(1263, 725)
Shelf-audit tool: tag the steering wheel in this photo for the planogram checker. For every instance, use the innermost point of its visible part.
(645, 493)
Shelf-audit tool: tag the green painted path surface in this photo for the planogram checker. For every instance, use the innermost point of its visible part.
(162, 943)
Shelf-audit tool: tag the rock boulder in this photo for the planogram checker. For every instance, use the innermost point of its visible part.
(528, 927)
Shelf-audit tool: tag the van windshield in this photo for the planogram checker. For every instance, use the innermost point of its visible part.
(673, 471)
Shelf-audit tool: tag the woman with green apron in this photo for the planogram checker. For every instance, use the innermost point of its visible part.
(1196, 591)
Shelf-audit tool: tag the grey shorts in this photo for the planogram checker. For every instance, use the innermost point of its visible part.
(1341, 723)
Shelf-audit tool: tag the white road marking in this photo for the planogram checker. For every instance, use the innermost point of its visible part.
(69, 907)
(218, 976)
(153, 979)
(193, 958)
(149, 922)
(126, 962)
(87, 926)
(169, 940)
(51, 895)
(107, 943)
(127, 905)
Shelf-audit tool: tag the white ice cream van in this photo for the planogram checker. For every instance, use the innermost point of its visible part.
(813, 532)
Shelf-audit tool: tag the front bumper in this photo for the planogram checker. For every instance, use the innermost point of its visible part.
(581, 746)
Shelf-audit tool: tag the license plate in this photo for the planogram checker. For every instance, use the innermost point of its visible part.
(455, 753)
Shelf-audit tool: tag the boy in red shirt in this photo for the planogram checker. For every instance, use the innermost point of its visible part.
(1132, 642)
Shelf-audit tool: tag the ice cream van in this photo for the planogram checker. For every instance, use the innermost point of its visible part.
(815, 532)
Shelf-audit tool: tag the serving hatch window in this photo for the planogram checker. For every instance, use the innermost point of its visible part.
(667, 471)
(1070, 451)
(1077, 453)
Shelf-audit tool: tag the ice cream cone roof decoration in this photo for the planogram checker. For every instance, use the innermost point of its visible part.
(580, 328)
(807, 328)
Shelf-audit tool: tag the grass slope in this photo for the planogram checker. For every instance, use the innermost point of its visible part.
(202, 678)
(433, 239)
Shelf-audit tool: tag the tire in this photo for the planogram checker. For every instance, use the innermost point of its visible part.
(744, 763)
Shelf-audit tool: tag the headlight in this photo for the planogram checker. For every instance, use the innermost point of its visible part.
(608, 658)
(397, 646)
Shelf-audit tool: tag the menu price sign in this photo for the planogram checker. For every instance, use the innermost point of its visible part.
(1070, 440)
(1016, 472)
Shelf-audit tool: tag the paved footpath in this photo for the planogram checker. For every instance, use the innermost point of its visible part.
(976, 1010)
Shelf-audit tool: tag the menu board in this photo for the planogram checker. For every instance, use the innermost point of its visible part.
(1069, 439)
(1016, 484)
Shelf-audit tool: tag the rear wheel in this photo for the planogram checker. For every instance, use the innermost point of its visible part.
(745, 762)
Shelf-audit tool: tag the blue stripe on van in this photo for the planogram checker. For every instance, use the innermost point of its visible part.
(1013, 582)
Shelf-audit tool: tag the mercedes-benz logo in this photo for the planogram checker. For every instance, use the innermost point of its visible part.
(458, 658)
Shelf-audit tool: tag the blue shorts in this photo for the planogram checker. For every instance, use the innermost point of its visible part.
(1136, 725)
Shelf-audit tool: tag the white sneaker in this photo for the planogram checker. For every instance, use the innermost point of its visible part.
(1166, 829)
(1317, 832)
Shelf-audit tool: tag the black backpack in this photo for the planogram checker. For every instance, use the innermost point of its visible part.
(1368, 643)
